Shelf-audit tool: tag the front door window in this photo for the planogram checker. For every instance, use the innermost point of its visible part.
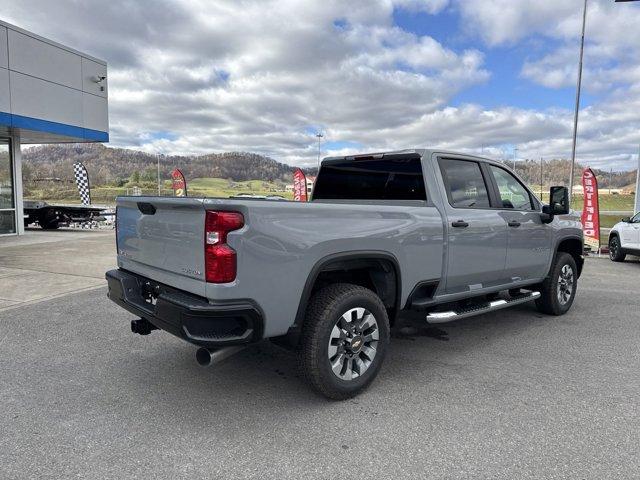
(7, 205)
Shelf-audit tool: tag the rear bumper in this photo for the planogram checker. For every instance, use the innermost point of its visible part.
(185, 315)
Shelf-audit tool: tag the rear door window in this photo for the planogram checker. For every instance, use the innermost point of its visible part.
(371, 179)
(465, 184)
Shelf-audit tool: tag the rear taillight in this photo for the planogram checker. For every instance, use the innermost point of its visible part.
(220, 258)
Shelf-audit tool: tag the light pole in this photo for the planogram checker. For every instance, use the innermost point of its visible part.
(158, 159)
(636, 204)
(577, 107)
(541, 182)
(320, 136)
(515, 153)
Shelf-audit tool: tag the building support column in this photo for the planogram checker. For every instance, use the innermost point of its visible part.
(16, 157)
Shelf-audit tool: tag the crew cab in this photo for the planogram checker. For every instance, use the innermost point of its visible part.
(436, 234)
(624, 238)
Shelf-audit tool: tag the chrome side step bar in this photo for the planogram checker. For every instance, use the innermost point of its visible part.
(452, 315)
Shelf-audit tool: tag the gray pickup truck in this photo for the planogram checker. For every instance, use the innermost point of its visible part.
(431, 233)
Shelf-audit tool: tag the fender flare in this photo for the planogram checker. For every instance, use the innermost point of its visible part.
(556, 247)
(350, 255)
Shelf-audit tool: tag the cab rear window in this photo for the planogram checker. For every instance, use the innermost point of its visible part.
(371, 179)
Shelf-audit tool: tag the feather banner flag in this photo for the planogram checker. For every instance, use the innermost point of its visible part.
(299, 186)
(178, 183)
(82, 181)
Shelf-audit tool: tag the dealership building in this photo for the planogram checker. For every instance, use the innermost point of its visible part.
(49, 93)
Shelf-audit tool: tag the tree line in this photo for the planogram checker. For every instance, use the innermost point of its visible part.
(120, 167)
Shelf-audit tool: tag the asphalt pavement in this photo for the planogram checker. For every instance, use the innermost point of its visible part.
(514, 394)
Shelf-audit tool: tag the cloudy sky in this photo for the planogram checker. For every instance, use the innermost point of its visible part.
(195, 76)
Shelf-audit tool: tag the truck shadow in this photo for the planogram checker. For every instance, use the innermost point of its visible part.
(267, 376)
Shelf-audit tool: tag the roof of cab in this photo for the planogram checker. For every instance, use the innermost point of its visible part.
(419, 151)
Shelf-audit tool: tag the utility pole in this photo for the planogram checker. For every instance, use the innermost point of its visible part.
(636, 208)
(158, 158)
(541, 185)
(577, 109)
(515, 152)
(320, 136)
(610, 172)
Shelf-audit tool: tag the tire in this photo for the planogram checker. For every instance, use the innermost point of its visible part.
(616, 254)
(558, 290)
(48, 220)
(50, 226)
(354, 345)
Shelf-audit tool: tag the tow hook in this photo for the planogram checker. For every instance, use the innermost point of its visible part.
(142, 326)
(207, 356)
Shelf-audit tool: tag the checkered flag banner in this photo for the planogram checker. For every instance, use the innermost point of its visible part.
(82, 181)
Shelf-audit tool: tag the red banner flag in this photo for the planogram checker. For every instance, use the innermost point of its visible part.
(179, 184)
(299, 186)
(590, 209)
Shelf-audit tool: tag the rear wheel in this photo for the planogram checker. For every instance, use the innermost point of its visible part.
(616, 254)
(53, 225)
(49, 221)
(559, 289)
(344, 340)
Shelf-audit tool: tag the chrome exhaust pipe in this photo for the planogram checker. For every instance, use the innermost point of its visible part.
(207, 356)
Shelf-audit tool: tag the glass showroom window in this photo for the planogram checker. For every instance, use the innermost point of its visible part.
(7, 204)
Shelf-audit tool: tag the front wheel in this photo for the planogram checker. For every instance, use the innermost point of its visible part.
(344, 340)
(616, 254)
(559, 289)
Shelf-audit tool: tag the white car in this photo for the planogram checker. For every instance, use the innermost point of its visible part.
(624, 238)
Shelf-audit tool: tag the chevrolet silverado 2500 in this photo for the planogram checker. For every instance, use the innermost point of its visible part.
(443, 234)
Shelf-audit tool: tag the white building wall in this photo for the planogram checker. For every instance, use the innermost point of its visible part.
(45, 81)
(5, 102)
(39, 59)
(4, 52)
(36, 98)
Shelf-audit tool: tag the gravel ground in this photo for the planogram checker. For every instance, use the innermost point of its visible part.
(510, 395)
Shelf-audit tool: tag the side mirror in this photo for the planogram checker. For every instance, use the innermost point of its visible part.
(626, 219)
(559, 200)
(547, 214)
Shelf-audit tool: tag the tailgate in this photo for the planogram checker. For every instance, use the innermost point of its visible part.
(162, 238)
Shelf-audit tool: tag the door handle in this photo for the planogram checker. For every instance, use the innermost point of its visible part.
(459, 224)
(514, 223)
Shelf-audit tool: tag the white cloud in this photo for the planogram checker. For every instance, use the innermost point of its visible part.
(430, 6)
(500, 22)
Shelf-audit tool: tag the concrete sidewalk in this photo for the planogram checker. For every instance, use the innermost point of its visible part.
(42, 265)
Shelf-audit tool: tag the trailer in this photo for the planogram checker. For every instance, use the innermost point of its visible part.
(50, 217)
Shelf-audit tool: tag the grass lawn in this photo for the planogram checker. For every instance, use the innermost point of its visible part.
(607, 202)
